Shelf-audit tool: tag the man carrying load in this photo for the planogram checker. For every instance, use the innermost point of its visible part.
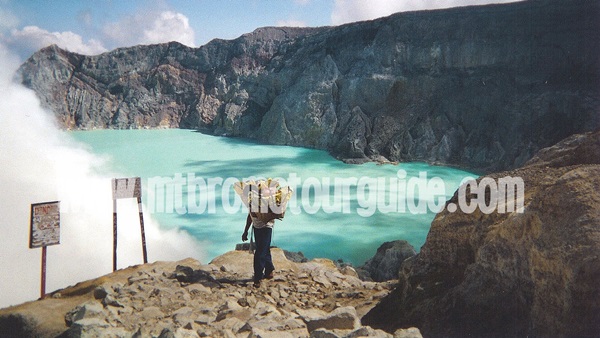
(266, 201)
(263, 263)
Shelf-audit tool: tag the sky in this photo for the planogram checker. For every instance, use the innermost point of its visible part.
(93, 27)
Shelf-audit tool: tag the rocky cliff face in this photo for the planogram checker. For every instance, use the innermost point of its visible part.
(535, 273)
(480, 87)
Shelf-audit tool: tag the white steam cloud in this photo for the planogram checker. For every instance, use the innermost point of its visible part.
(31, 38)
(149, 28)
(40, 163)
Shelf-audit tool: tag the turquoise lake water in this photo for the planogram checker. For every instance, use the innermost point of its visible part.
(364, 216)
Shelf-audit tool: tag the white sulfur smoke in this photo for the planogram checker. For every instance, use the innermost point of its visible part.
(40, 163)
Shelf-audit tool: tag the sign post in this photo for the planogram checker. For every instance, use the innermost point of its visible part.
(127, 188)
(44, 231)
(43, 279)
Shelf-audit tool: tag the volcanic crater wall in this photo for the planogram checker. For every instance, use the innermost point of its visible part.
(477, 87)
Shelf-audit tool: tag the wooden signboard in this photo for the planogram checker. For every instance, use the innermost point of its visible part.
(127, 188)
(45, 224)
(44, 231)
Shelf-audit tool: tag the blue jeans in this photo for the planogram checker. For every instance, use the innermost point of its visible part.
(263, 263)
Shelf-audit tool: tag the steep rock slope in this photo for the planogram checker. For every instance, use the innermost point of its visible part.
(478, 87)
(535, 273)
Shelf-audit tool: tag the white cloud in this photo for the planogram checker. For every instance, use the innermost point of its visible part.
(291, 23)
(31, 38)
(157, 27)
(345, 11)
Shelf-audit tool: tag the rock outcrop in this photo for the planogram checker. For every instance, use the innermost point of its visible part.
(188, 299)
(535, 273)
(478, 87)
(385, 265)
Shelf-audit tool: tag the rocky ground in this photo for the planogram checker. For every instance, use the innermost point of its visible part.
(189, 299)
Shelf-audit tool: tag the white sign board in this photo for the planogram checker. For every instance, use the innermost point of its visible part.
(45, 224)
(126, 187)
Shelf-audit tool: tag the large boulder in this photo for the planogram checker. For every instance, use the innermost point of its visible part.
(535, 273)
(241, 262)
(344, 318)
(385, 265)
